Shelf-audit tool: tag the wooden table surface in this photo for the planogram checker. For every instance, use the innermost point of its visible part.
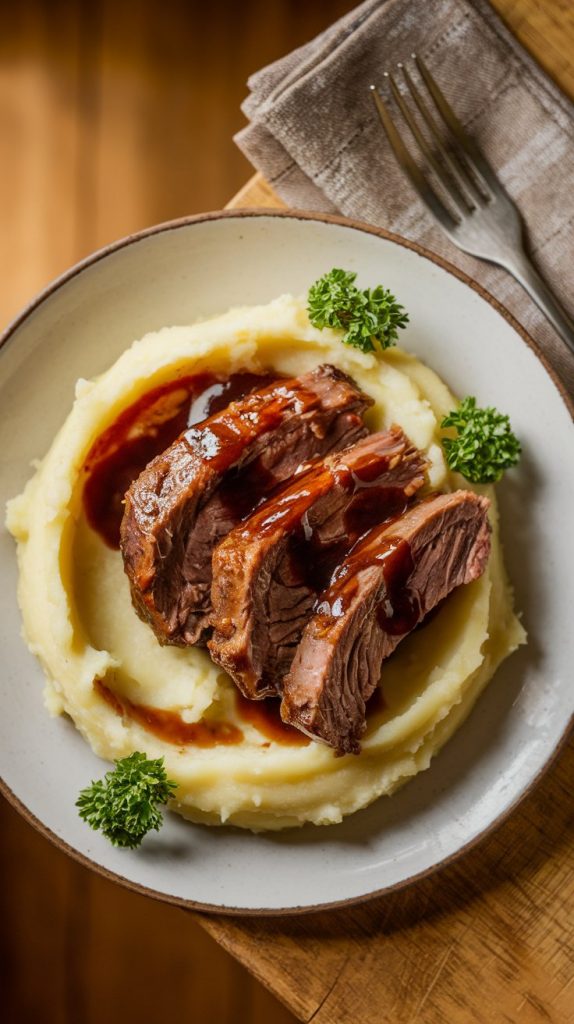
(489, 939)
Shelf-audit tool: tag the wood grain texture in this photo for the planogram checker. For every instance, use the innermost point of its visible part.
(115, 114)
(544, 27)
(257, 192)
(488, 940)
(76, 949)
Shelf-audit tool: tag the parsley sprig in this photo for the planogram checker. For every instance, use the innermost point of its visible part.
(124, 805)
(368, 316)
(484, 445)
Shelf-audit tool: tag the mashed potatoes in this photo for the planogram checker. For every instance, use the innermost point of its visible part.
(79, 621)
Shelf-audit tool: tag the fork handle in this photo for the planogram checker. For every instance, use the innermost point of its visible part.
(527, 275)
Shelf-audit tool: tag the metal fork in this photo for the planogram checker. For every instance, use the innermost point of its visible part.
(479, 216)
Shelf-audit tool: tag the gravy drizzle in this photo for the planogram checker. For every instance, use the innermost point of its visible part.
(169, 726)
(145, 429)
(150, 425)
(311, 559)
(399, 609)
(264, 716)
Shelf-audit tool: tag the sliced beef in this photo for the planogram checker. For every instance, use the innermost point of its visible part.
(394, 576)
(268, 571)
(191, 495)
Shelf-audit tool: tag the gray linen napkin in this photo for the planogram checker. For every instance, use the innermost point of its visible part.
(314, 134)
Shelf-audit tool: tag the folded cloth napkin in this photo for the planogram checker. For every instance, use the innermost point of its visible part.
(315, 135)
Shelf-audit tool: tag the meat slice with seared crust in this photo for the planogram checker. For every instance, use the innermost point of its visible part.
(189, 497)
(268, 571)
(393, 577)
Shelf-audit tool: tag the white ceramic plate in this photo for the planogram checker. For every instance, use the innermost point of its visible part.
(198, 267)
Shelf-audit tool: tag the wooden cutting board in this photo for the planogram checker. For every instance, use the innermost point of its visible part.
(488, 940)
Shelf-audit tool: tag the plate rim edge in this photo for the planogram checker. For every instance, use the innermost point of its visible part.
(345, 222)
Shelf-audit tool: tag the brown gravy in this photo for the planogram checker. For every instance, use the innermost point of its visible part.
(400, 611)
(370, 502)
(149, 426)
(169, 726)
(376, 702)
(145, 429)
(264, 716)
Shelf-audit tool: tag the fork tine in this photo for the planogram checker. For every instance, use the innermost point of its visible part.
(454, 192)
(420, 183)
(475, 157)
(460, 170)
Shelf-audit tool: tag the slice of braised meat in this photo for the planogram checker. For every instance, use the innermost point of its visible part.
(268, 571)
(191, 495)
(394, 576)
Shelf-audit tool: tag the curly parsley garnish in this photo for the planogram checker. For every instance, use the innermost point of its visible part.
(484, 446)
(124, 804)
(368, 316)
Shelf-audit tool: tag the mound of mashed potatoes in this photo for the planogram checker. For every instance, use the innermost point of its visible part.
(79, 621)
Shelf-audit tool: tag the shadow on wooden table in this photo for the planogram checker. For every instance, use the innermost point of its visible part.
(546, 819)
(394, 934)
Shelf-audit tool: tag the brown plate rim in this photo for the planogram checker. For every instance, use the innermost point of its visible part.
(450, 268)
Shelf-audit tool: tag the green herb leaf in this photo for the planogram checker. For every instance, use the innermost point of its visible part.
(124, 804)
(366, 317)
(484, 446)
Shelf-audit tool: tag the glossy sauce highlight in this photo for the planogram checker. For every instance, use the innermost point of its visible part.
(145, 429)
(169, 726)
(265, 717)
(399, 608)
